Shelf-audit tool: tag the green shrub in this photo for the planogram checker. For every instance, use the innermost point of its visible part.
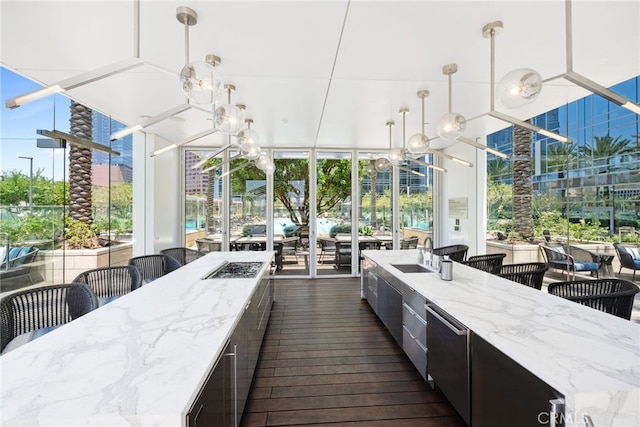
(340, 228)
(79, 235)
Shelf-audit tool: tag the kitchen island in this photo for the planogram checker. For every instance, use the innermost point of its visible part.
(141, 360)
(589, 357)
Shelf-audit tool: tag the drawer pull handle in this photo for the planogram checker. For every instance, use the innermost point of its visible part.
(195, 419)
(460, 331)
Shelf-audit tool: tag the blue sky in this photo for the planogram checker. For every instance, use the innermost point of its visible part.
(18, 127)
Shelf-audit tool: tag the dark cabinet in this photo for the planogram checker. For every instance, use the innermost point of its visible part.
(448, 358)
(505, 393)
(215, 403)
(390, 307)
(223, 397)
(414, 329)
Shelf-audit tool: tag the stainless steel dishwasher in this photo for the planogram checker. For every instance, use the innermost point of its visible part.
(448, 358)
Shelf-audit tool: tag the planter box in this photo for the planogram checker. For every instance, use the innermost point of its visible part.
(516, 253)
(62, 266)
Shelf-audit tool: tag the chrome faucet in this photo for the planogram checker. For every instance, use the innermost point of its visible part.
(424, 248)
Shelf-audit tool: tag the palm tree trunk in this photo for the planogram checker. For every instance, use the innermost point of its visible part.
(80, 207)
(522, 186)
(374, 197)
(211, 219)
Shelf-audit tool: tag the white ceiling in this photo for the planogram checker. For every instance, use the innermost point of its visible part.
(327, 74)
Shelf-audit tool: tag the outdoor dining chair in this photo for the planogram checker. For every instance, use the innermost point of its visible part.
(183, 255)
(29, 314)
(109, 283)
(153, 266)
(629, 256)
(455, 252)
(489, 263)
(613, 296)
(529, 273)
(569, 258)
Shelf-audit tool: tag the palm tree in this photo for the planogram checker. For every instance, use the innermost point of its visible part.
(80, 208)
(605, 147)
(374, 196)
(498, 167)
(522, 185)
(558, 157)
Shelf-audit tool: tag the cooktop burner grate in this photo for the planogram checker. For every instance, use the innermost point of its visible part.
(236, 270)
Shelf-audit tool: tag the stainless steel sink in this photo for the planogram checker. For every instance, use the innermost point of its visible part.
(412, 268)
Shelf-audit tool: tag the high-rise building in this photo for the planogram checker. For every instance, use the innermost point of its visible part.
(109, 168)
(195, 182)
(596, 176)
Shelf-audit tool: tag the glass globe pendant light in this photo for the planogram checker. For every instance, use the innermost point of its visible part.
(451, 125)
(265, 164)
(199, 80)
(419, 143)
(519, 88)
(228, 118)
(382, 164)
(248, 141)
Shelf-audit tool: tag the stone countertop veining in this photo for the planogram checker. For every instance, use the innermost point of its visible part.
(591, 357)
(137, 361)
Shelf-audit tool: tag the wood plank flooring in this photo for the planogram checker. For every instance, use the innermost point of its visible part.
(328, 360)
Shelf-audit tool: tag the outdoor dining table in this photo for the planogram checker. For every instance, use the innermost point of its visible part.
(605, 260)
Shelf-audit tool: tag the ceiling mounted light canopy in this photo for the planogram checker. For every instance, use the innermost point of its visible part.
(452, 124)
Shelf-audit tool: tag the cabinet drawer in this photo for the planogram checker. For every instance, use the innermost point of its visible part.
(417, 354)
(414, 324)
(415, 301)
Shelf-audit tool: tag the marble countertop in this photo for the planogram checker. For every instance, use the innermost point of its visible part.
(137, 361)
(591, 357)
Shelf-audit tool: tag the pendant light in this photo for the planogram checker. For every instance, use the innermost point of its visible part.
(228, 118)
(382, 164)
(451, 125)
(490, 30)
(248, 142)
(419, 143)
(199, 81)
(403, 113)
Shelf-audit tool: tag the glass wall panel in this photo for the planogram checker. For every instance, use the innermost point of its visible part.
(248, 212)
(64, 208)
(416, 200)
(292, 211)
(203, 200)
(585, 194)
(334, 212)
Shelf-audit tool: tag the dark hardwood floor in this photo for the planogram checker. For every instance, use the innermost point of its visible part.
(328, 360)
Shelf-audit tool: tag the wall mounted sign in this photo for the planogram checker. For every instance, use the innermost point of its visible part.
(458, 207)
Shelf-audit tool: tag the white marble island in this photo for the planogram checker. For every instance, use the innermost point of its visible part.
(137, 361)
(591, 357)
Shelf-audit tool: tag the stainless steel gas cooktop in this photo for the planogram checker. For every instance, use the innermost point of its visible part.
(235, 270)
